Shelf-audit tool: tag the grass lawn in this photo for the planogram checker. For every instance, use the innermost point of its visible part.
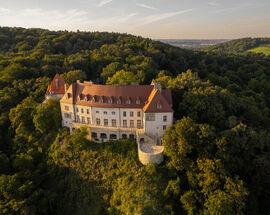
(261, 49)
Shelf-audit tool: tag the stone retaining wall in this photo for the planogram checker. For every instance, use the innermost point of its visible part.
(155, 157)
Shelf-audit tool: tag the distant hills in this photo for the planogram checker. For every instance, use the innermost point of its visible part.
(242, 46)
(192, 44)
(223, 46)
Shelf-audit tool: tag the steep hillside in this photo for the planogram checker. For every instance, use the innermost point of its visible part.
(241, 46)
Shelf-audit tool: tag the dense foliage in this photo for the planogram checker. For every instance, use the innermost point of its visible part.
(217, 152)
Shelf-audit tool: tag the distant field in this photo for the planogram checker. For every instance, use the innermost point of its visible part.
(261, 49)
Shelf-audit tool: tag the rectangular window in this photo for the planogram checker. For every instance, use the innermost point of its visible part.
(124, 113)
(131, 123)
(164, 118)
(139, 123)
(77, 118)
(97, 111)
(67, 115)
(164, 127)
(97, 121)
(150, 117)
(139, 114)
(88, 120)
(113, 122)
(81, 110)
(87, 111)
(124, 123)
(131, 113)
(77, 110)
(67, 108)
(105, 112)
(113, 113)
(83, 120)
(105, 122)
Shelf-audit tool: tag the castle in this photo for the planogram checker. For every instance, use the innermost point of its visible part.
(110, 112)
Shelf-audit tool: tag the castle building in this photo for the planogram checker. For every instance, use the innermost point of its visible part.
(114, 112)
(110, 112)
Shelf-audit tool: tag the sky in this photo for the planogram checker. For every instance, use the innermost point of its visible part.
(156, 19)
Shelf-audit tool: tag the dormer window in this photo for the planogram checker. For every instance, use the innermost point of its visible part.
(128, 101)
(159, 106)
(69, 95)
(80, 97)
(110, 100)
(93, 99)
(100, 99)
(138, 101)
(119, 101)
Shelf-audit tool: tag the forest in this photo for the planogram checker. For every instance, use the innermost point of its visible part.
(217, 153)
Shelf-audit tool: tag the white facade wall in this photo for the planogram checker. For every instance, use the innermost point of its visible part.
(88, 116)
(157, 126)
(83, 114)
(105, 113)
(128, 116)
(67, 109)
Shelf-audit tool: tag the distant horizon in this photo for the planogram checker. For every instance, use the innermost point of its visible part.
(135, 34)
(155, 19)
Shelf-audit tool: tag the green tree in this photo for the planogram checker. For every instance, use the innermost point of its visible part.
(74, 75)
(47, 116)
(186, 140)
(122, 78)
(21, 117)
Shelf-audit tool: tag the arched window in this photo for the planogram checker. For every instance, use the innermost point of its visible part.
(124, 136)
(103, 136)
(132, 136)
(113, 136)
(94, 135)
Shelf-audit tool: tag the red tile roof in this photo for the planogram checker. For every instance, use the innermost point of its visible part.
(123, 96)
(57, 86)
(157, 103)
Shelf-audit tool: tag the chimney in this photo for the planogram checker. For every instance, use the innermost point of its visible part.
(157, 86)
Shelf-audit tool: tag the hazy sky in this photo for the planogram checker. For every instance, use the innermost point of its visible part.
(178, 19)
